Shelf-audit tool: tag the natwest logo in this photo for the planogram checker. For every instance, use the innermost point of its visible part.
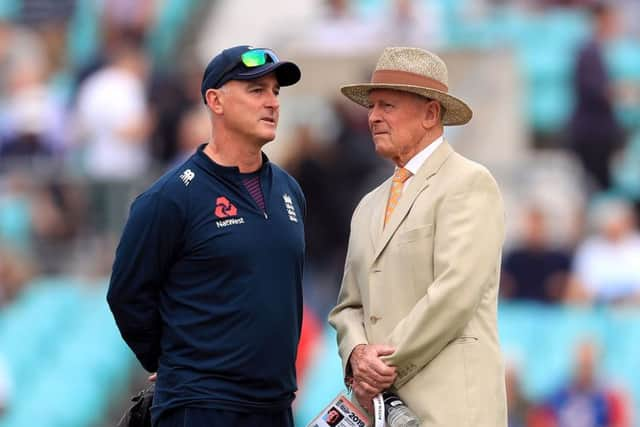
(224, 208)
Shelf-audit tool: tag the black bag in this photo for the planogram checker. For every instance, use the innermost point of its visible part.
(139, 414)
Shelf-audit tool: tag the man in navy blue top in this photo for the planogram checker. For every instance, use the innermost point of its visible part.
(206, 284)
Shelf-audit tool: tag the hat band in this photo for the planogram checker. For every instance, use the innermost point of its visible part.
(396, 77)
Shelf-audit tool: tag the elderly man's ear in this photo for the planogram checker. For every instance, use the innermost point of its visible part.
(432, 115)
(214, 100)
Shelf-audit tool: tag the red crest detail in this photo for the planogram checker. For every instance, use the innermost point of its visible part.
(224, 208)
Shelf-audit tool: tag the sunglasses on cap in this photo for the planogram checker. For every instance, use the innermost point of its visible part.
(250, 59)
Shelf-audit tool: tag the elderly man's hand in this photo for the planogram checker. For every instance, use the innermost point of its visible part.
(370, 373)
(364, 395)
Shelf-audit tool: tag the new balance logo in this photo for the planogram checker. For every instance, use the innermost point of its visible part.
(187, 176)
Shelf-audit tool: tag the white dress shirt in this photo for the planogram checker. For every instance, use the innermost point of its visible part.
(418, 160)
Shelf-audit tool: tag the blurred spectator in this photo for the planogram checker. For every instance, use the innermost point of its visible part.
(113, 125)
(15, 273)
(585, 401)
(113, 117)
(607, 265)
(126, 17)
(100, 58)
(58, 216)
(341, 31)
(315, 171)
(57, 211)
(49, 18)
(594, 132)
(334, 175)
(534, 270)
(17, 45)
(171, 96)
(32, 120)
(409, 23)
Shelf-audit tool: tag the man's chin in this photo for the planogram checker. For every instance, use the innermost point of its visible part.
(383, 151)
(266, 138)
(268, 133)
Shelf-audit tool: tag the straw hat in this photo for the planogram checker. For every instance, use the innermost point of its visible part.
(412, 70)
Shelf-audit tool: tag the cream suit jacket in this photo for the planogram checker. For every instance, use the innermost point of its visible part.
(427, 284)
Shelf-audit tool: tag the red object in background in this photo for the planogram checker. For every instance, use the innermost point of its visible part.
(619, 411)
(309, 340)
(541, 416)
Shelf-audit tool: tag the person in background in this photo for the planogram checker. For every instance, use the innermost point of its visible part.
(534, 270)
(113, 132)
(585, 402)
(606, 267)
(16, 271)
(594, 132)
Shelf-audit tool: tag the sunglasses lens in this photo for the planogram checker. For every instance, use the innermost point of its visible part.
(258, 57)
(254, 58)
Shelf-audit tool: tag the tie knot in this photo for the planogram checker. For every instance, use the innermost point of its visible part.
(401, 175)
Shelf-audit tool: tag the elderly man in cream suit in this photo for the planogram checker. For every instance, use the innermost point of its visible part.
(417, 309)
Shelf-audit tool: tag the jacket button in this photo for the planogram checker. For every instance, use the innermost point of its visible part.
(374, 319)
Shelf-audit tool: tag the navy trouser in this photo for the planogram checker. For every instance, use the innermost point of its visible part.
(205, 417)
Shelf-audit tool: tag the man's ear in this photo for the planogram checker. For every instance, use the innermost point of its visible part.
(215, 100)
(432, 114)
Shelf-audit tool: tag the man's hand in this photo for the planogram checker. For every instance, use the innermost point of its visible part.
(363, 395)
(153, 377)
(371, 375)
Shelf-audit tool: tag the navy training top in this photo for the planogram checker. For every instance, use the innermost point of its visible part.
(206, 287)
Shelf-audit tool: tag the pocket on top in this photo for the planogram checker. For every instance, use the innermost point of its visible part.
(416, 233)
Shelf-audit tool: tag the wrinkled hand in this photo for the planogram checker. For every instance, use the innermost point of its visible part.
(371, 375)
(364, 397)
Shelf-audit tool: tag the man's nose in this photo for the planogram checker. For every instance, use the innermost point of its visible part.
(272, 101)
(374, 115)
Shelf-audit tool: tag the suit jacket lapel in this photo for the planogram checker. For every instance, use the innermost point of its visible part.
(377, 216)
(418, 184)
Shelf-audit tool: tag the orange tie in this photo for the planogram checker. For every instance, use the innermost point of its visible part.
(399, 177)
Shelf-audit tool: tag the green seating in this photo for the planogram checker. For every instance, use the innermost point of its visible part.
(65, 355)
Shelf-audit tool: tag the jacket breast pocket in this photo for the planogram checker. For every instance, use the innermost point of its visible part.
(416, 245)
(416, 233)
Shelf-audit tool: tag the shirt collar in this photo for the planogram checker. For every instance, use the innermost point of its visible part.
(205, 161)
(418, 160)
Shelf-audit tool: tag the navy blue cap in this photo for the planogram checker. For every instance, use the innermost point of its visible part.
(227, 65)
